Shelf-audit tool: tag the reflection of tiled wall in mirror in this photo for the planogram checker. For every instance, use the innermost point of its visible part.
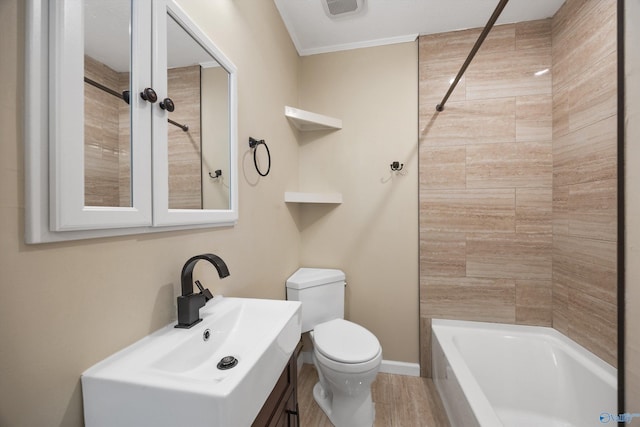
(107, 138)
(106, 127)
(184, 147)
(585, 175)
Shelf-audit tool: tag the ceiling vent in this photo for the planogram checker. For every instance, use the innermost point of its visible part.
(342, 8)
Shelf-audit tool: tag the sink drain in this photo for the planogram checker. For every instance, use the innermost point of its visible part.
(227, 362)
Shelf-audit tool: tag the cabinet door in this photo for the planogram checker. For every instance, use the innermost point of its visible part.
(99, 139)
(194, 124)
(291, 414)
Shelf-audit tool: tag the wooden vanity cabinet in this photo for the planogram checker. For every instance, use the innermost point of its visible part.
(281, 407)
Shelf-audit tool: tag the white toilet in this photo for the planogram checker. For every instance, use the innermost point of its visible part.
(347, 356)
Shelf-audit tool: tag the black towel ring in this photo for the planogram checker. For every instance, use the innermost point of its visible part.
(253, 143)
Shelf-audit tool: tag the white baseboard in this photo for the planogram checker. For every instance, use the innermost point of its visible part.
(387, 366)
(400, 368)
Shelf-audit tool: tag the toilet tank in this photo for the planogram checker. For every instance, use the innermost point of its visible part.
(321, 292)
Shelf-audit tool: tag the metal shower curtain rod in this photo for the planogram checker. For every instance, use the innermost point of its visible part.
(474, 50)
(125, 97)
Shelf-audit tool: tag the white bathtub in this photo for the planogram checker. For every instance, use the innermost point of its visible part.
(493, 375)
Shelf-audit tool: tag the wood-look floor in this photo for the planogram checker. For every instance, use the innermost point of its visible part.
(401, 401)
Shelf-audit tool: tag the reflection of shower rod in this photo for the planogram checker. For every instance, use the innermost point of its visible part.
(125, 97)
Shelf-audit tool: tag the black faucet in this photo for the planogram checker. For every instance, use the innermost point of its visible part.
(189, 304)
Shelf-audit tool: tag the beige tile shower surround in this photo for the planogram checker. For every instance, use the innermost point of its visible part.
(584, 175)
(517, 177)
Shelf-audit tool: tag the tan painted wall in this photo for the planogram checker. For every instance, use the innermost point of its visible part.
(372, 235)
(632, 183)
(65, 306)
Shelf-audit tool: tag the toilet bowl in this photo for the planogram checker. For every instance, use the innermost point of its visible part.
(347, 356)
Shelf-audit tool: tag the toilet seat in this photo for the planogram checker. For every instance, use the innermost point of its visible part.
(347, 368)
(345, 342)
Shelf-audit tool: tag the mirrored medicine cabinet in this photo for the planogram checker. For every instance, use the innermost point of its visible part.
(130, 124)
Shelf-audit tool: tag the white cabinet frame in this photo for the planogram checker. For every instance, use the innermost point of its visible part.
(162, 215)
(66, 133)
(54, 159)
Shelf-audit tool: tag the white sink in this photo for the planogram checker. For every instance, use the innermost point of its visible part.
(171, 378)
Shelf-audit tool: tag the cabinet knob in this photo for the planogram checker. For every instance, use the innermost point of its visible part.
(167, 104)
(149, 95)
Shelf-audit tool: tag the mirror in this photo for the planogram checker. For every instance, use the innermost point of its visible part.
(194, 168)
(198, 131)
(107, 118)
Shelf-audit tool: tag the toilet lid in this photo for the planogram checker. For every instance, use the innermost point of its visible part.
(345, 342)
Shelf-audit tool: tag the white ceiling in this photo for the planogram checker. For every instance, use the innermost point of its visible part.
(395, 21)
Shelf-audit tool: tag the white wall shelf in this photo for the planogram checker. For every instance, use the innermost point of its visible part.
(308, 121)
(299, 197)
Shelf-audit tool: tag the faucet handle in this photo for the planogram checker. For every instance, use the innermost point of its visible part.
(206, 292)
